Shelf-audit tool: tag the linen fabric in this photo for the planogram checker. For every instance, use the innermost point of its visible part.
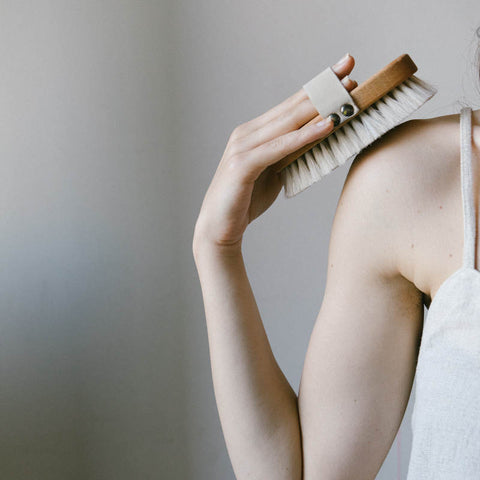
(446, 413)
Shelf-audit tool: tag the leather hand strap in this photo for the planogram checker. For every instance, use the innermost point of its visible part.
(329, 96)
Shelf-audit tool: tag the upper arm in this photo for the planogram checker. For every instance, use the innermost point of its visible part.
(361, 359)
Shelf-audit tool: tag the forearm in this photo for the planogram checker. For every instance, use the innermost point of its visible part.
(257, 406)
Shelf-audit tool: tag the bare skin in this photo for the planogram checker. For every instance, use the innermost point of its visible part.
(428, 153)
(441, 258)
(401, 208)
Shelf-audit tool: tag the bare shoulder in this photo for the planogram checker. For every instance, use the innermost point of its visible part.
(398, 184)
(405, 155)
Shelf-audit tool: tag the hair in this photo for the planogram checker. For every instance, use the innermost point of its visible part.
(477, 55)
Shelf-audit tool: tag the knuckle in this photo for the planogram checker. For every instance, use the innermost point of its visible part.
(276, 144)
(238, 132)
(235, 162)
(283, 142)
(233, 149)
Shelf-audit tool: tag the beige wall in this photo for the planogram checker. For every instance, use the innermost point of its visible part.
(113, 117)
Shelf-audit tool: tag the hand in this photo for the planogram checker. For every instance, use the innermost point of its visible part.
(245, 184)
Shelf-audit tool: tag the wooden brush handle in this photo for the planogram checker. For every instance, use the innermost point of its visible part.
(364, 95)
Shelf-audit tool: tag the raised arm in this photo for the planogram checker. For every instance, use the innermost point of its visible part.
(361, 359)
(257, 407)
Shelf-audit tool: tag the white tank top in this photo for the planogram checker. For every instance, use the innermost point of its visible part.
(446, 412)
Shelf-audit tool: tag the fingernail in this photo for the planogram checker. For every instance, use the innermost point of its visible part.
(325, 122)
(342, 60)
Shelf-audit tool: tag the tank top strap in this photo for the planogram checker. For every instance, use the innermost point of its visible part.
(469, 216)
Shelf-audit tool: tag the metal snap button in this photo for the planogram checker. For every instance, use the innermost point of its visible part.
(346, 110)
(335, 119)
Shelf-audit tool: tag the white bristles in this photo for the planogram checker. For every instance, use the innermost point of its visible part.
(346, 142)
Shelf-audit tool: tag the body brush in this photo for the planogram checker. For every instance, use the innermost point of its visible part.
(359, 117)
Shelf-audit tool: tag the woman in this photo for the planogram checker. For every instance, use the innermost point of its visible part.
(397, 236)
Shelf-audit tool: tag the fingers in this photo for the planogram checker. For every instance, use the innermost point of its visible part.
(340, 68)
(344, 66)
(269, 115)
(299, 115)
(348, 83)
(283, 123)
(266, 154)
